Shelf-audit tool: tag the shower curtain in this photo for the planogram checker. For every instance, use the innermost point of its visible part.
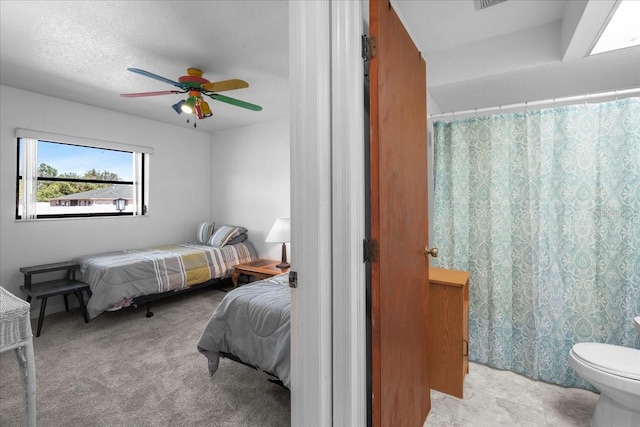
(543, 208)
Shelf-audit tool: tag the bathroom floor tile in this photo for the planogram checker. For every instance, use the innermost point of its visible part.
(504, 385)
(485, 410)
(444, 409)
(567, 406)
(496, 398)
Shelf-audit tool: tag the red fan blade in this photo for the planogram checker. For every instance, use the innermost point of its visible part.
(163, 92)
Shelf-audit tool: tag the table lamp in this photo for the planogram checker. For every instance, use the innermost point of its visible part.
(281, 233)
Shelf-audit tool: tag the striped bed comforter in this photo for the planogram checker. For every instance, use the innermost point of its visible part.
(116, 278)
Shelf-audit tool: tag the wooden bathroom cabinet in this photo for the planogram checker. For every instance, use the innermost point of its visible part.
(448, 330)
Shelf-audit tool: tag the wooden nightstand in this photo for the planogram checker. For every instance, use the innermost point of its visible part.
(260, 269)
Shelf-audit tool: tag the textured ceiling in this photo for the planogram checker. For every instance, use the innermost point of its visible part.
(516, 51)
(80, 51)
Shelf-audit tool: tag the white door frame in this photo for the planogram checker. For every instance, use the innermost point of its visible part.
(328, 334)
(348, 220)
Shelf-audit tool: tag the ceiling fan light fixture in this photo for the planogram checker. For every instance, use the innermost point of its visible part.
(205, 110)
(189, 105)
(178, 106)
(199, 112)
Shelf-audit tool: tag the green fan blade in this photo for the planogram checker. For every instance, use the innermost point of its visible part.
(234, 101)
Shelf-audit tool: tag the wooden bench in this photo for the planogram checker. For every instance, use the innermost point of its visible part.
(64, 287)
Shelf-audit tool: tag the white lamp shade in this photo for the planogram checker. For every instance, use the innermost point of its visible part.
(280, 232)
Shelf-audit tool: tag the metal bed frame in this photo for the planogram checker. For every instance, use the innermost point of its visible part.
(148, 299)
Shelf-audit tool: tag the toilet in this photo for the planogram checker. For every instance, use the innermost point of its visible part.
(615, 372)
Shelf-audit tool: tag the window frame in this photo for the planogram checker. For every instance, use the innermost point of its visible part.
(139, 183)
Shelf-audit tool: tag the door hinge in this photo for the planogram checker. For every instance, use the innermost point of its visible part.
(369, 47)
(370, 250)
(293, 279)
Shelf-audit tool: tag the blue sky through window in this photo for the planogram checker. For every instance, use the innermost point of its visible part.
(72, 158)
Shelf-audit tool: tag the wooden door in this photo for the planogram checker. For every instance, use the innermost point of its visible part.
(398, 222)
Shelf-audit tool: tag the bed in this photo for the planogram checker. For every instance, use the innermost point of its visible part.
(131, 277)
(252, 326)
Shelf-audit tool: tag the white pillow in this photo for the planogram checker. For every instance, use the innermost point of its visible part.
(205, 230)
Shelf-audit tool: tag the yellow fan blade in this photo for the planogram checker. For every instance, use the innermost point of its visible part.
(225, 85)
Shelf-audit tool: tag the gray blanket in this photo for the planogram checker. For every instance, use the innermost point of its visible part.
(253, 323)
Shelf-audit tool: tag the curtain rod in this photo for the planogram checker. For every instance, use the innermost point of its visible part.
(526, 105)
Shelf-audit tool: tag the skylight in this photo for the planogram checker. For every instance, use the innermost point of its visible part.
(622, 30)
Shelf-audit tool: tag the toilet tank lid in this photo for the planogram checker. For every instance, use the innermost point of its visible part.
(615, 359)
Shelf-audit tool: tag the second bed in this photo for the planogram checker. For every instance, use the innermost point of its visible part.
(252, 326)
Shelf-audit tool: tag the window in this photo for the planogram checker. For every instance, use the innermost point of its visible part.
(80, 178)
(622, 30)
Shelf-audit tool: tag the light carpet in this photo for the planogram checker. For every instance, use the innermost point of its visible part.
(123, 369)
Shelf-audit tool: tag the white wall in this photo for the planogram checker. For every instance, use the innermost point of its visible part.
(179, 193)
(250, 180)
(432, 108)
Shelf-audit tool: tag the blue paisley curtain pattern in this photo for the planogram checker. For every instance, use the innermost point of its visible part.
(543, 208)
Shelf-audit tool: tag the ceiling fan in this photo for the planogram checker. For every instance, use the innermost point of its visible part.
(196, 86)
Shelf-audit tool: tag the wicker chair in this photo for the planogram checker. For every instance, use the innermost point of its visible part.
(16, 334)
